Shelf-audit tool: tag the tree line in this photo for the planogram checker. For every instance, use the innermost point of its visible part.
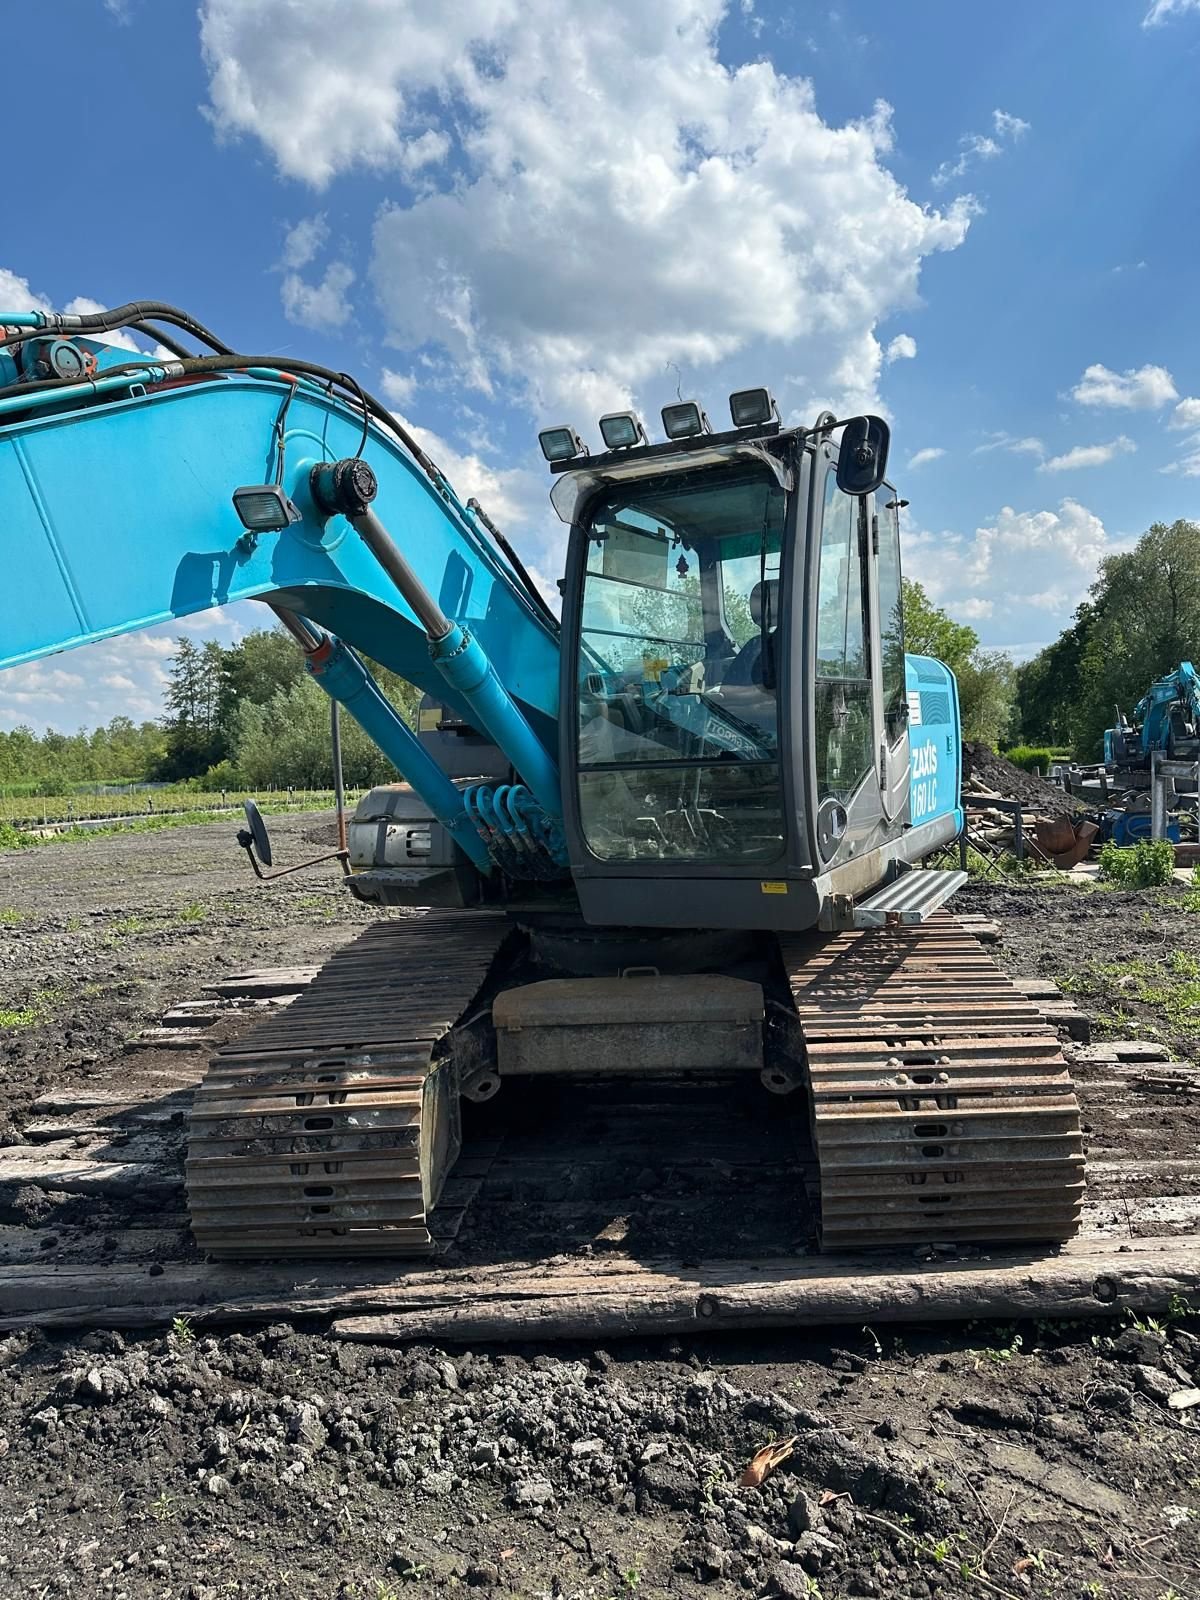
(1140, 620)
(246, 715)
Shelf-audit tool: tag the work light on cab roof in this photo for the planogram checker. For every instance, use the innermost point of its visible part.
(752, 408)
(561, 444)
(684, 419)
(622, 430)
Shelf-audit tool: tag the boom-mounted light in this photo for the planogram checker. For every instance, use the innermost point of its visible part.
(264, 508)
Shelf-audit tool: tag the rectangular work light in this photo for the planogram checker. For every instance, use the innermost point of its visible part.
(750, 408)
(621, 430)
(263, 507)
(561, 444)
(683, 420)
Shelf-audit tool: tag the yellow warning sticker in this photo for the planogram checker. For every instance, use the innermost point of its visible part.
(429, 719)
(769, 887)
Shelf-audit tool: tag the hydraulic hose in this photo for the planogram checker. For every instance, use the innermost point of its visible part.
(120, 317)
(135, 313)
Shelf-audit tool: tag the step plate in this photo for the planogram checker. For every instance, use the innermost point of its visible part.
(943, 1110)
(330, 1128)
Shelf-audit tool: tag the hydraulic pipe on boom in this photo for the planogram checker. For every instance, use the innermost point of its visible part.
(349, 487)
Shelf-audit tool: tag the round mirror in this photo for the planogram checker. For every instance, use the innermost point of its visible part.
(258, 832)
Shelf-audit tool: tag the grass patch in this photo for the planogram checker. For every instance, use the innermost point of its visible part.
(1171, 988)
(30, 1014)
(1145, 865)
(10, 916)
(12, 838)
(193, 912)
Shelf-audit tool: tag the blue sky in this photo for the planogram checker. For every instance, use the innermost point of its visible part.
(980, 219)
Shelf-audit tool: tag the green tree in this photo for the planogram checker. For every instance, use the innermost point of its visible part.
(1049, 686)
(929, 631)
(1146, 606)
(986, 678)
(286, 742)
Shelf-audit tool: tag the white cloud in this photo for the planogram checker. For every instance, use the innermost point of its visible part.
(115, 677)
(511, 496)
(1009, 127)
(1137, 389)
(1160, 10)
(1020, 571)
(398, 387)
(1188, 465)
(1089, 455)
(302, 243)
(976, 147)
(922, 457)
(1186, 414)
(1027, 446)
(614, 196)
(902, 348)
(318, 305)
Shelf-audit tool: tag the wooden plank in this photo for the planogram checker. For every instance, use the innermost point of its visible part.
(168, 1039)
(609, 1297)
(262, 982)
(1114, 1050)
(79, 1174)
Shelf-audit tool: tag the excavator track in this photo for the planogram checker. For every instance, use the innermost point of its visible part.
(329, 1129)
(942, 1107)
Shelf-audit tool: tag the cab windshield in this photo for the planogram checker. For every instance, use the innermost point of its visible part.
(678, 678)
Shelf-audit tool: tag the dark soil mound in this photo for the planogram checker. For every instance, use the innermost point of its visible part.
(984, 769)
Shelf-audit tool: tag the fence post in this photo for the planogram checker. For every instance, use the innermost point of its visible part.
(1019, 835)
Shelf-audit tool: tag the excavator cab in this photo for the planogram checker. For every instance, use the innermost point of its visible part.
(735, 703)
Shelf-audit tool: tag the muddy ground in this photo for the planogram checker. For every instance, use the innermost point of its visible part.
(1030, 1460)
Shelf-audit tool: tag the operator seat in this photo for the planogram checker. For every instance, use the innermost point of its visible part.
(745, 671)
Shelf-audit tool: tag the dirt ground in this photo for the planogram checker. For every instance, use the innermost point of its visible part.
(1030, 1460)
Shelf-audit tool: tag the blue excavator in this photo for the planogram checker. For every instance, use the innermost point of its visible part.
(675, 835)
(1166, 721)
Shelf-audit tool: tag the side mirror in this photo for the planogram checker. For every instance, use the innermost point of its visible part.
(862, 459)
(259, 836)
(256, 842)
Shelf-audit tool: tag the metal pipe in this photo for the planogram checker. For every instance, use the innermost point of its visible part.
(349, 487)
(1158, 799)
(463, 663)
(74, 391)
(301, 629)
(339, 787)
(389, 556)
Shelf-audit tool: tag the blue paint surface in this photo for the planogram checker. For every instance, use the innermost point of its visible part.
(935, 741)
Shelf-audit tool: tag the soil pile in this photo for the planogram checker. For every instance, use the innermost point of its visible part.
(986, 773)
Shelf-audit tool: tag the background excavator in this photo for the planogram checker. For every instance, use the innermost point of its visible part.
(1166, 720)
(676, 833)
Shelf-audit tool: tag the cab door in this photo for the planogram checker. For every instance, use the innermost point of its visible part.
(887, 638)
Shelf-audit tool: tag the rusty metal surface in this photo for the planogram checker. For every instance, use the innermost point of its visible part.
(943, 1109)
(329, 1129)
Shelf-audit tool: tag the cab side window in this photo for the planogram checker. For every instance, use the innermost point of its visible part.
(845, 739)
